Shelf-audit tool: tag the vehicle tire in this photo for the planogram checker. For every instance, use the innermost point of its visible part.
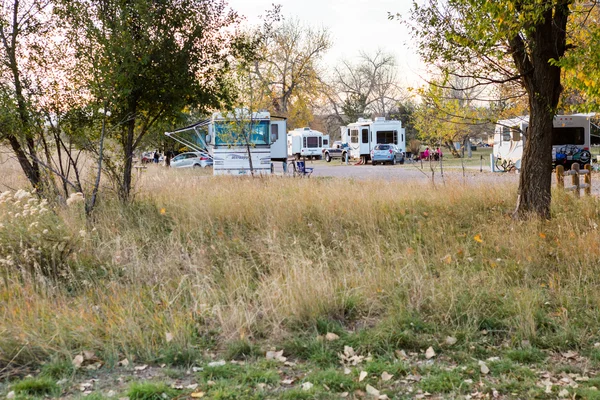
(327, 157)
(394, 161)
(401, 162)
(344, 157)
(374, 163)
(197, 166)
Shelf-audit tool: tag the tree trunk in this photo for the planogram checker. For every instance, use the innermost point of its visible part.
(125, 189)
(542, 82)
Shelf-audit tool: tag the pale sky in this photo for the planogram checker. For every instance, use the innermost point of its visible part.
(354, 25)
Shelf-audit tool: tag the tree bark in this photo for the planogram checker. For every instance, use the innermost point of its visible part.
(542, 82)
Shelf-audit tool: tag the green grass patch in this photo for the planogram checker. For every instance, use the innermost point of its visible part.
(441, 381)
(526, 356)
(242, 350)
(150, 391)
(41, 386)
(58, 369)
(334, 379)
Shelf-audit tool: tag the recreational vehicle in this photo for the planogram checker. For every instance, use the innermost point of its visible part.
(362, 136)
(237, 141)
(304, 142)
(571, 140)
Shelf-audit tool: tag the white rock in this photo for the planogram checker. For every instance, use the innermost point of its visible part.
(307, 386)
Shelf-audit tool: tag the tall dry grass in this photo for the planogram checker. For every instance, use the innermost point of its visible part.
(210, 259)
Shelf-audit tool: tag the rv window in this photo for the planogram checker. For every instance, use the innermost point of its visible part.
(311, 141)
(506, 136)
(304, 142)
(274, 132)
(325, 142)
(387, 137)
(320, 141)
(568, 135)
(365, 136)
(354, 136)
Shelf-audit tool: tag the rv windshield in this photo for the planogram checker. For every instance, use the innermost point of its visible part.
(568, 135)
(234, 132)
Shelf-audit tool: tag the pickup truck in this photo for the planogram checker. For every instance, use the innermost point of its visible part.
(337, 150)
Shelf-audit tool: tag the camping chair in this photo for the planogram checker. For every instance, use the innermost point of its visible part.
(302, 170)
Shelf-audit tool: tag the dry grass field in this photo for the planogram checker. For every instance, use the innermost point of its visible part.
(200, 268)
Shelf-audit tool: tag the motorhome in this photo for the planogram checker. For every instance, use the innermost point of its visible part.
(362, 136)
(571, 140)
(305, 142)
(238, 141)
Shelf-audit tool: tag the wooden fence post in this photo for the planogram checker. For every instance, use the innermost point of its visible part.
(575, 177)
(588, 180)
(560, 177)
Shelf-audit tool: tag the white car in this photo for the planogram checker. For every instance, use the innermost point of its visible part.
(191, 160)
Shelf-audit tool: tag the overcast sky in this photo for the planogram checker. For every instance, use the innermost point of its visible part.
(354, 25)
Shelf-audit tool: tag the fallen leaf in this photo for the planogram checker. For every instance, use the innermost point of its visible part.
(276, 355)
(450, 340)
(372, 391)
(362, 376)
(287, 381)
(447, 259)
(307, 386)
(385, 376)
(401, 354)
(344, 395)
(569, 354)
(192, 386)
(197, 395)
(11, 395)
(430, 353)
(89, 355)
(77, 361)
(478, 238)
(124, 362)
(483, 368)
(331, 336)
(347, 371)
(168, 337)
(563, 393)
(219, 363)
(542, 235)
(140, 367)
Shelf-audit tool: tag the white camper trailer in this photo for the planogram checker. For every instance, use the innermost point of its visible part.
(304, 142)
(362, 136)
(224, 138)
(571, 140)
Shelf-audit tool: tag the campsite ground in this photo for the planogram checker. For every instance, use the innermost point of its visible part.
(363, 285)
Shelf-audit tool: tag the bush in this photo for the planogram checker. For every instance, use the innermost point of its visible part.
(34, 243)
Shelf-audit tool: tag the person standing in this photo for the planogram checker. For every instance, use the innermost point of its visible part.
(156, 157)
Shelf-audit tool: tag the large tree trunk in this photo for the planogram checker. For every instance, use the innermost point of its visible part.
(542, 82)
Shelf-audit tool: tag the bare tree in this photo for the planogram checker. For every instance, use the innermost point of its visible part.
(368, 88)
(288, 69)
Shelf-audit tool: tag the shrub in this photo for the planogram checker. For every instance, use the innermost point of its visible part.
(34, 243)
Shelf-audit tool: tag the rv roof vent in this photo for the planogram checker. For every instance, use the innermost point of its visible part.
(379, 119)
(307, 128)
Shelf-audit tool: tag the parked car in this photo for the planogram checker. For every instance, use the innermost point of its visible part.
(191, 160)
(337, 150)
(383, 153)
